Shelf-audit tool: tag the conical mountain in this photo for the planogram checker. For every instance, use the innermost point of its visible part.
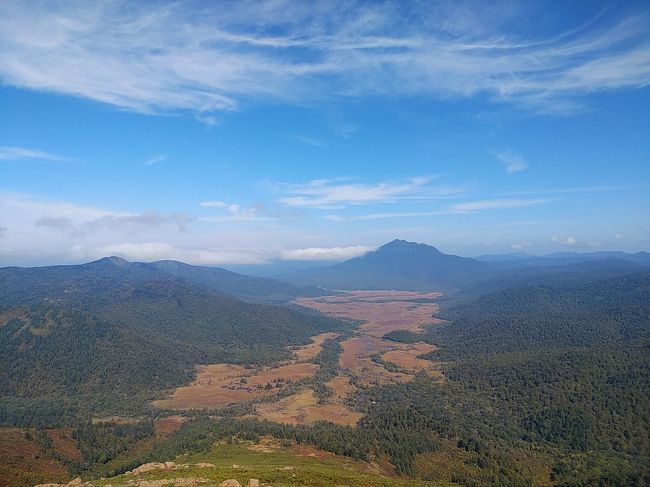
(397, 265)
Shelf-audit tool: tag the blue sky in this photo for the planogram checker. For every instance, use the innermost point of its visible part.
(243, 132)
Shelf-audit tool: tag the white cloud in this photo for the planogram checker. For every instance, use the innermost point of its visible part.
(149, 251)
(458, 208)
(512, 161)
(494, 204)
(565, 240)
(233, 212)
(147, 219)
(310, 141)
(583, 189)
(213, 204)
(325, 253)
(619, 236)
(521, 245)
(382, 216)
(8, 153)
(530, 222)
(37, 230)
(155, 159)
(178, 56)
(336, 194)
(346, 130)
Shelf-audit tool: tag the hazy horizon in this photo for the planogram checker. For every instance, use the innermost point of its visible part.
(277, 266)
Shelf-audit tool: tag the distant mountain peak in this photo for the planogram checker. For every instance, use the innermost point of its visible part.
(399, 244)
(399, 264)
(112, 260)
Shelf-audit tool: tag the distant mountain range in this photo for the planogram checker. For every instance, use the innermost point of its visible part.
(521, 259)
(52, 279)
(418, 267)
(396, 265)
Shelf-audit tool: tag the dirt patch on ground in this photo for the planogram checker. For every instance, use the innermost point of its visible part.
(407, 357)
(341, 388)
(303, 408)
(362, 346)
(64, 443)
(222, 385)
(166, 426)
(310, 351)
(11, 314)
(356, 357)
(23, 462)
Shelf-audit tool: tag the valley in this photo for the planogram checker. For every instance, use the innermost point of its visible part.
(284, 392)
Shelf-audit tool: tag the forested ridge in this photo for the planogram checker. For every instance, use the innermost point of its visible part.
(567, 365)
(37, 283)
(112, 339)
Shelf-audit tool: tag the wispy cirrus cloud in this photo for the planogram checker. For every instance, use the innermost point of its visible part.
(8, 153)
(383, 216)
(232, 212)
(520, 245)
(149, 251)
(155, 159)
(495, 204)
(346, 130)
(325, 253)
(568, 240)
(179, 56)
(337, 194)
(511, 160)
(572, 242)
(310, 141)
(581, 189)
(454, 209)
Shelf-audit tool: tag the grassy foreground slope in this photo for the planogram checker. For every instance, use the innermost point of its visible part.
(272, 463)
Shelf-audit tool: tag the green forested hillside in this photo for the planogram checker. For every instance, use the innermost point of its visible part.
(262, 289)
(56, 282)
(112, 339)
(565, 366)
(550, 315)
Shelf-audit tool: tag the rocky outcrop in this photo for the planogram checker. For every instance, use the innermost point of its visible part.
(172, 482)
(149, 467)
(180, 482)
(73, 483)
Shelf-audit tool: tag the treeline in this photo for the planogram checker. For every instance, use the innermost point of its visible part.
(328, 360)
(200, 433)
